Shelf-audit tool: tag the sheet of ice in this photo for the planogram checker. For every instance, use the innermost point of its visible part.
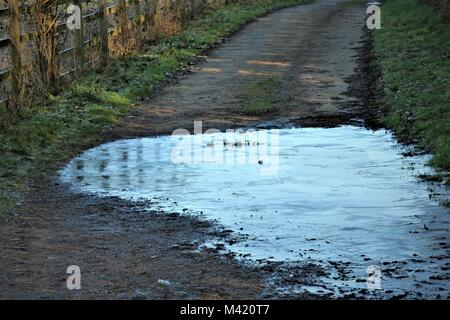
(339, 194)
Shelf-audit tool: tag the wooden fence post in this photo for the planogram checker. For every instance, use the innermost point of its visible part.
(137, 22)
(79, 40)
(181, 4)
(137, 11)
(103, 33)
(147, 17)
(153, 10)
(17, 86)
(122, 25)
(122, 16)
(194, 8)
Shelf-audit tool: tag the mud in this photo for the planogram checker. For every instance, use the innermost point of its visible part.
(122, 249)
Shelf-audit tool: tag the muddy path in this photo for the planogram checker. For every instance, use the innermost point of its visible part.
(307, 52)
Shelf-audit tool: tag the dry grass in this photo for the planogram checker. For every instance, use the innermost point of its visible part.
(124, 42)
(166, 23)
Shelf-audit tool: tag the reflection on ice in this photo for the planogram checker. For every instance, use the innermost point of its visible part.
(345, 193)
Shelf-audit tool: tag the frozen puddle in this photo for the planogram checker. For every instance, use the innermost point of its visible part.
(340, 194)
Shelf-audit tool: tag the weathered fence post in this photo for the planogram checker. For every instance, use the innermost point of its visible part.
(147, 16)
(137, 11)
(17, 86)
(194, 8)
(122, 16)
(190, 10)
(79, 40)
(122, 26)
(153, 10)
(181, 4)
(103, 33)
(137, 22)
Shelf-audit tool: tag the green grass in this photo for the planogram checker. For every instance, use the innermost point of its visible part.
(431, 177)
(413, 50)
(262, 96)
(63, 125)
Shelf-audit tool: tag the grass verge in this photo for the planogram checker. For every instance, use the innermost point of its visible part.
(262, 96)
(63, 125)
(413, 52)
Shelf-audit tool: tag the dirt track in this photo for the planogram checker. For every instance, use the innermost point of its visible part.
(121, 250)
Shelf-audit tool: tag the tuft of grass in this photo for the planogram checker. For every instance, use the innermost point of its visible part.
(413, 51)
(61, 126)
(262, 96)
(431, 177)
